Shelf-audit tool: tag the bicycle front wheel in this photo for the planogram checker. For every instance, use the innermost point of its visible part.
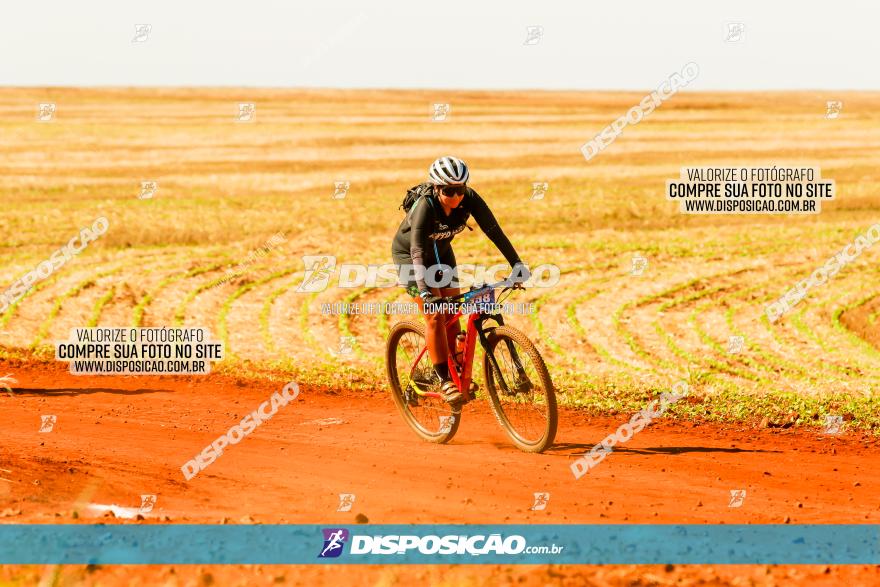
(431, 418)
(520, 389)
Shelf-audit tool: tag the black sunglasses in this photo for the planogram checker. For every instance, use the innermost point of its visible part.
(453, 190)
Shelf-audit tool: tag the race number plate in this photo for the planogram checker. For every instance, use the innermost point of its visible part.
(484, 302)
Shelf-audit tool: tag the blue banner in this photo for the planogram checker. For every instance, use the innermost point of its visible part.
(439, 544)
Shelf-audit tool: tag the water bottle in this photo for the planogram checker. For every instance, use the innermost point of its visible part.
(459, 348)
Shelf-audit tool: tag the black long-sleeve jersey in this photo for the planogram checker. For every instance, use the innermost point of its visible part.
(426, 224)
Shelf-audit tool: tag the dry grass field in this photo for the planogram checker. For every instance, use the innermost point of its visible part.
(612, 339)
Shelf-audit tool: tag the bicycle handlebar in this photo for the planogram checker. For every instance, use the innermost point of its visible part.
(475, 292)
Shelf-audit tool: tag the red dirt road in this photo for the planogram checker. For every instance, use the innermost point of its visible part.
(116, 438)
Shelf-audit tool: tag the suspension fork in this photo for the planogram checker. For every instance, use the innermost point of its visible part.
(514, 355)
(484, 341)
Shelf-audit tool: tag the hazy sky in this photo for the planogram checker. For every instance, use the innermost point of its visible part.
(450, 44)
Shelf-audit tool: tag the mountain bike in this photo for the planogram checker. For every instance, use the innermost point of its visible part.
(518, 385)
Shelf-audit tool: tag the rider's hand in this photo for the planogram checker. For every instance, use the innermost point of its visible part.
(520, 273)
(429, 297)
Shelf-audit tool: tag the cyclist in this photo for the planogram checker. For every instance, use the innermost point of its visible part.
(423, 245)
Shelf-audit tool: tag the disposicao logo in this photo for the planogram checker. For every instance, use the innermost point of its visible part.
(334, 540)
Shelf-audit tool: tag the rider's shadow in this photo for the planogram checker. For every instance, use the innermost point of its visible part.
(577, 449)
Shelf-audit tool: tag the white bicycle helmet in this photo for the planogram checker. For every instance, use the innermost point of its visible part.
(448, 170)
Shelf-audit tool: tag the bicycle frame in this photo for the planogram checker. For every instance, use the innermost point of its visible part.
(473, 329)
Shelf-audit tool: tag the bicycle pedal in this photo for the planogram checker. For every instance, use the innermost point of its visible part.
(411, 397)
(456, 402)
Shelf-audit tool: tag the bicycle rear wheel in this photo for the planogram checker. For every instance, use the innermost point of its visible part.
(520, 389)
(431, 418)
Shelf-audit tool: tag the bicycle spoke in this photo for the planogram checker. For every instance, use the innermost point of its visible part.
(525, 410)
(427, 413)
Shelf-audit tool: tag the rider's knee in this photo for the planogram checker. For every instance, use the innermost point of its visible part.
(434, 320)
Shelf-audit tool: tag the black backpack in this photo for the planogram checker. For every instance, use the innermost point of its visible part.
(414, 193)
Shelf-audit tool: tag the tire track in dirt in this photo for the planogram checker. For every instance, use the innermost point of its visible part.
(141, 311)
(116, 306)
(861, 319)
(238, 318)
(32, 317)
